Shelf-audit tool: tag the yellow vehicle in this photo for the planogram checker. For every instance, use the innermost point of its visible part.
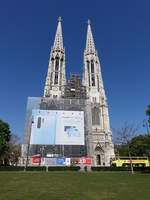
(121, 161)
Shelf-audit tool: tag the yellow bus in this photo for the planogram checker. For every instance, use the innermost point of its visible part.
(122, 161)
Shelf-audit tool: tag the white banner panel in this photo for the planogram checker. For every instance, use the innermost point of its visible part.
(57, 127)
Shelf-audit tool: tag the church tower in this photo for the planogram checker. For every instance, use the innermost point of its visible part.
(56, 76)
(100, 139)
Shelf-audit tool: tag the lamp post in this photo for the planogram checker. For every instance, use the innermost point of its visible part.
(145, 124)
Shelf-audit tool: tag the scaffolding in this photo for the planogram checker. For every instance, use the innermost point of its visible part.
(74, 89)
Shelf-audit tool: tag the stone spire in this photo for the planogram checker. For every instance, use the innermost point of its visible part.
(58, 42)
(101, 146)
(92, 76)
(56, 75)
(90, 46)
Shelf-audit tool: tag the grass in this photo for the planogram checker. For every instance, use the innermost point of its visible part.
(74, 186)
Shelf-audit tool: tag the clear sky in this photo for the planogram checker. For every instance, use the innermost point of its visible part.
(121, 31)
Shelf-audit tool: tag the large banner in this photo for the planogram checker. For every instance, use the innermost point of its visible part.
(56, 161)
(57, 127)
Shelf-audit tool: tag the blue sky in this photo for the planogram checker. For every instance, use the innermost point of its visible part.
(121, 32)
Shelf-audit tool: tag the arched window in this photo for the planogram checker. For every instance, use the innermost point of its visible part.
(61, 63)
(95, 116)
(88, 70)
(92, 67)
(52, 60)
(52, 63)
(93, 80)
(57, 64)
(56, 78)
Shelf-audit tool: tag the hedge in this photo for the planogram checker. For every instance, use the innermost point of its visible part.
(36, 168)
(11, 168)
(74, 168)
(39, 168)
(59, 168)
(115, 169)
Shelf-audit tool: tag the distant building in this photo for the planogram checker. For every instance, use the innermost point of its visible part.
(88, 96)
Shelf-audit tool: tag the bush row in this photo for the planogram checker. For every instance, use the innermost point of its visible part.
(110, 168)
(136, 169)
(38, 168)
(74, 168)
(11, 168)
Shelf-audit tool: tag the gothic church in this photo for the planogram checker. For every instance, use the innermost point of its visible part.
(88, 96)
(100, 138)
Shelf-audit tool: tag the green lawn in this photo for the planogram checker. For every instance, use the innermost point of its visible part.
(74, 186)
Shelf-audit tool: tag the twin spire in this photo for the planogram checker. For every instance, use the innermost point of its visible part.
(58, 42)
(90, 46)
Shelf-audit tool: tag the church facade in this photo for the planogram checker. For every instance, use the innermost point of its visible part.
(100, 143)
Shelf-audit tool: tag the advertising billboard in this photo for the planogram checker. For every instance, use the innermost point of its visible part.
(57, 127)
(85, 161)
(49, 162)
(61, 161)
(36, 160)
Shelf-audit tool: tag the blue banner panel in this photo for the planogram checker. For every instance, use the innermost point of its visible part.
(61, 161)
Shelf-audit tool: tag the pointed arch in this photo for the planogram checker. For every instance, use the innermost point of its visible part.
(99, 148)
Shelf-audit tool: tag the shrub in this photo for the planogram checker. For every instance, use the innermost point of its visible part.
(39, 168)
(36, 168)
(136, 169)
(59, 168)
(11, 168)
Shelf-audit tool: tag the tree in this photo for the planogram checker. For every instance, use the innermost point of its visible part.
(14, 149)
(5, 135)
(123, 137)
(121, 150)
(148, 113)
(140, 146)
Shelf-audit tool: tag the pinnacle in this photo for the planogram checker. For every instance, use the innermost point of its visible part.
(59, 19)
(90, 46)
(89, 22)
(58, 42)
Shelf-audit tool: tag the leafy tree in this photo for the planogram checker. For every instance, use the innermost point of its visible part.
(14, 150)
(123, 137)
(121, 150)
(5, 135)
(140, 146)
(148, 113)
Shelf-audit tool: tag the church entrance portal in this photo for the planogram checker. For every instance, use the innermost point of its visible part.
(98, 159)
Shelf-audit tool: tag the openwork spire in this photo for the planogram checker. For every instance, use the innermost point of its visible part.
(90, 46)
(58, 43)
